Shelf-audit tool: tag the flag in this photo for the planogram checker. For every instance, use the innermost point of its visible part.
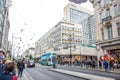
(78, 1)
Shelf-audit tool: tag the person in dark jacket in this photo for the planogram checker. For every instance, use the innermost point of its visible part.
(20, 66)
(2, 60)
(7, 74)
(106, 64)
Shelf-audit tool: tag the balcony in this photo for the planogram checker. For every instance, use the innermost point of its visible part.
(107, 20)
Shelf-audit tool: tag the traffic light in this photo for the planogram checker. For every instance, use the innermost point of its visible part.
(78, 1)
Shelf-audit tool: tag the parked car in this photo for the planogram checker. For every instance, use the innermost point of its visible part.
(31, 63)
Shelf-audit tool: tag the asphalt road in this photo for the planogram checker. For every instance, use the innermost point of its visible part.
(43, 73)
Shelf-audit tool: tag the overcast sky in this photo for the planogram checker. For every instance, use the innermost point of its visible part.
(31, 19)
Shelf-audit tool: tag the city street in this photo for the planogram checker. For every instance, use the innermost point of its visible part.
(60, 40)
(43, 73)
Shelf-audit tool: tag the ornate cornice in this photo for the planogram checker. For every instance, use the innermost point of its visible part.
(92, 1)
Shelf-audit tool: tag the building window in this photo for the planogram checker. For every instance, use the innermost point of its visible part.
(110, 35)
(99, 4)
(116, 11)
(102, 31)
(100, 17)
(106, 1)
(118, 28)
(107, 12)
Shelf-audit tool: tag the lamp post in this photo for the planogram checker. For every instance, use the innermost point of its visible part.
(70, 39)
(98, 56)
(13, 55)
(80, 47)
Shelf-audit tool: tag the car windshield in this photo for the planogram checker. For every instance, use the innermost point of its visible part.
(31, 61)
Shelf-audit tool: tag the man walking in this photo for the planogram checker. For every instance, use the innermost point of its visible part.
(20, 66)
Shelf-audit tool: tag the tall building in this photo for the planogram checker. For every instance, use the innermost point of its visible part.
(60, 38)
(89, 30)
(107, 19)
(4, 24)
(75, 14)
(2, 10)
(78, 15)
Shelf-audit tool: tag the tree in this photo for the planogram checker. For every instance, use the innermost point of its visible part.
(30, 56)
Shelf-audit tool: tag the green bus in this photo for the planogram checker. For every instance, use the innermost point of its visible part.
(47, 58)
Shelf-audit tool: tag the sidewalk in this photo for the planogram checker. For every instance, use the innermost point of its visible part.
(81, 75)
(103, 70)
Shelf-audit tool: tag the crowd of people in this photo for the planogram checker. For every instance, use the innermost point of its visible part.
(10, 69)
(107, 65)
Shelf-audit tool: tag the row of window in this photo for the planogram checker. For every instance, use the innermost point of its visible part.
(110, 32)
(77, 16)
(70, 28)
(108, 12)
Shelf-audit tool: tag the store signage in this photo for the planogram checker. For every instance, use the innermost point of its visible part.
(78, 1)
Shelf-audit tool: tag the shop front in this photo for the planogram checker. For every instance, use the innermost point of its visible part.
(115, 54)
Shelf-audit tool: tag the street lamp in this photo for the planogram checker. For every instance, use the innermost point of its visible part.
(98, 56)
(80, 47)
(13, 43)
(70, 39)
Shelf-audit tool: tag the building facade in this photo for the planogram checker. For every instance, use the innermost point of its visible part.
(60, 38)
(4, 24)
(2, 11)
(29, 53)
(75, 14)
(107, 15)
(89, 30)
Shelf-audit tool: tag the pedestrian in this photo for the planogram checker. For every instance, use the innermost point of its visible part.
(21, 67)
(54, 62)
(7, 73)
(106, 65)
(2, 60)
(111, 65)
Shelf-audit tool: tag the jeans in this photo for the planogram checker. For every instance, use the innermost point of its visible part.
(20, 72)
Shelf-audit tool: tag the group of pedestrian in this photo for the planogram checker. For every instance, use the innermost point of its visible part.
(8, 68)
(110, 65)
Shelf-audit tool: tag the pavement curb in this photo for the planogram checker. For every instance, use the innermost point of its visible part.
(69, 74)
(82, 75)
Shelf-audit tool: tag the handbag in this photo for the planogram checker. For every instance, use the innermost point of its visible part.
(15, 78)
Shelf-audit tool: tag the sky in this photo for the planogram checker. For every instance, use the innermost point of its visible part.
(31, 19)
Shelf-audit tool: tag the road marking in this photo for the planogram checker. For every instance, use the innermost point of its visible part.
(28, 75)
